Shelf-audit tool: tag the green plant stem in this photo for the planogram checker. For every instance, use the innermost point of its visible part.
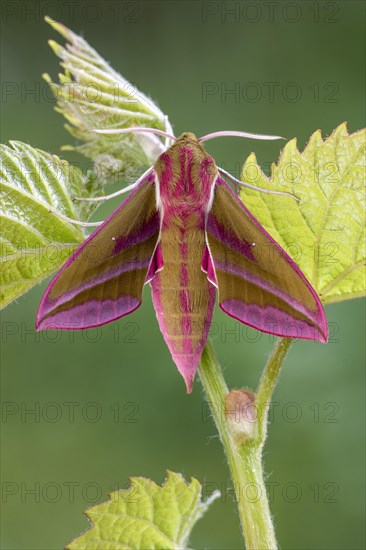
(268, 383)
(245, 459)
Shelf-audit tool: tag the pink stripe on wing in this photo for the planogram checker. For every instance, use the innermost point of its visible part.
(272, 321)
(113, 273)
(229, 239)
(92, 313)
(246, 275)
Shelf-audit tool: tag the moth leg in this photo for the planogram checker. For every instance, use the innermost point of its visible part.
(117, 193)
(74, 222)
(249, 186)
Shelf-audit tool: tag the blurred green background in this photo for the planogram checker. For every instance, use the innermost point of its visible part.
(131, 415)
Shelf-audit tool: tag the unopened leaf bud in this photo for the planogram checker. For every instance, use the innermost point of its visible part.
(241, 415)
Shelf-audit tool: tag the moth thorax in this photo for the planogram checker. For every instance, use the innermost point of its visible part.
(186, 175)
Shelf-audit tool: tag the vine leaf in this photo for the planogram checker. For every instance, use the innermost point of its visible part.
(35, 242)
(145, 516)
(91, 95)
(324, 231)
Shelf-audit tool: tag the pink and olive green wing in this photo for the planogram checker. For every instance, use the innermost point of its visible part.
(258, 283)
(103, 280)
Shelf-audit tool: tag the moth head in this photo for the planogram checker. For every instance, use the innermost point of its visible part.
(189, 140)
(187, 137)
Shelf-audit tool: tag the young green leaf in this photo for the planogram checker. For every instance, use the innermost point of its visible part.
(92, 95)
(324, 230)
(34, 241)
(145, 516)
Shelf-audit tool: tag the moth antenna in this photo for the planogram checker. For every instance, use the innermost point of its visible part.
(74, 222)
(249, 186)
(138, 129)
(237, 134)
(117, 193)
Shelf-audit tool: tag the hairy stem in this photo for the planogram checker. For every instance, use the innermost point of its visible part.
(268, 383)
(245, 456)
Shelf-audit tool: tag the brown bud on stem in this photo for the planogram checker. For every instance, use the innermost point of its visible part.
(241, 415)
